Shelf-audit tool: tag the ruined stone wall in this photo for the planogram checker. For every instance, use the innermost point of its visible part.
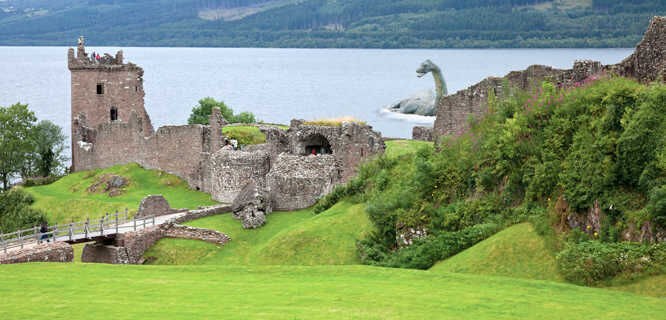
(137, 242)
(231, 170)
(422, 133)
(350, 143)
(296, 182)
(185, 232)
(122, 90)
(179, 150)
(646, 64)
(50, 252)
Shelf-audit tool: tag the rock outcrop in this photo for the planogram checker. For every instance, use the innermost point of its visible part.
(155, 205)
(252, 205)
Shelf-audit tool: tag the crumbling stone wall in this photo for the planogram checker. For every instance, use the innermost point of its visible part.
(180, 150)
(350, 143)
(137, 242)
(155, 205)
(646, 64)
(232, 170)
(186, 232)
(296, 182)
(122, 89)
(422, 133)
(50, 252)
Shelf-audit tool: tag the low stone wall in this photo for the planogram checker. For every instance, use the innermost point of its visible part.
(422, 133)
(202, 213)
(186, 232)
(137, 242)
(50, 252)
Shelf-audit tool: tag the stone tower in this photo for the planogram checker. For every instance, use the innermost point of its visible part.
(105, 90)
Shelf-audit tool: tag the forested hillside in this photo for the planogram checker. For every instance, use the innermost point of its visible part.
(329, 23)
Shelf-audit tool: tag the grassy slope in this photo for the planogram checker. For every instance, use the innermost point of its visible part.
(69, 198)
(399, 147)
(517, 252)
(81, 291)
(651, 286)
(296, 238)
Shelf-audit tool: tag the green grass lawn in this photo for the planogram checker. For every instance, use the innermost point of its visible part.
(69, 199)
(396, 148)
(297, 238)
(654, 286)
(517, 252)
(245, 134)
(85, 291)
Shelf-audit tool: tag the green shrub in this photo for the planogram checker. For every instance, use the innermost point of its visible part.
(423, 254)
(15, 211)
(589, 262)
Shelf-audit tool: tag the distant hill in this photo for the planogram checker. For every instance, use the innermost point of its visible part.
(329, 23)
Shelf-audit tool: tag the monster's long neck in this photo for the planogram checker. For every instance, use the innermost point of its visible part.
(440, 84)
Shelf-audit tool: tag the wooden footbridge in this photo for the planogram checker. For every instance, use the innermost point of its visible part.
(75, 232)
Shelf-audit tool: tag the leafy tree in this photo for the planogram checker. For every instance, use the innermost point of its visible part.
(202, 111)
(15, 211)
(49, 146)
(16, 123)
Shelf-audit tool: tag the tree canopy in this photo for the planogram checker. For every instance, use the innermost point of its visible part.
(202, 111)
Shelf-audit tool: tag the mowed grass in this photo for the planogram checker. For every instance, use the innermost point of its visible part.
(517, 252)
(69, 199)
(396, 148)
(85, 291)
(288, 238)
(654, 286)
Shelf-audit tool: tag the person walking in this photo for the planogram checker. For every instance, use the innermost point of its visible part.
(43, 230)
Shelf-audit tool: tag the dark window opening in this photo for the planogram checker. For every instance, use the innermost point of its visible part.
(136, 88)
(100, 88)
(317, 144)
(114, 114)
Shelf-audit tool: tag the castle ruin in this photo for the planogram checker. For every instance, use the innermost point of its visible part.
(646, 64)
(110, 126)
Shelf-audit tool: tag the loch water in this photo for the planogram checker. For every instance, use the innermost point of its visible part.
(277, 85)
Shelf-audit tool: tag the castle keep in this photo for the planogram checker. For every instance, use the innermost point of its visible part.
(110, 126)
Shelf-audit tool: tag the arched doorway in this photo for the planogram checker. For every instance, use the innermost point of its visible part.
(316, 144)
(114, 114)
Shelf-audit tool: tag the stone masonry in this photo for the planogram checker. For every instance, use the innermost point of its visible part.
(50, 252)
(646, 64)
(103, 88)
(155, 205)
(110, 126)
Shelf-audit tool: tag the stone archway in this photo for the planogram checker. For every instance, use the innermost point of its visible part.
(316, 144)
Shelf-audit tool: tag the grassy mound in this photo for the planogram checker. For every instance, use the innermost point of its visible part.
(654, 286)
(244, 134)
(296, 238)
(333, 122)
(517, 252)
(396, 148)
(327, 238)
(77, 291)
(72, 198)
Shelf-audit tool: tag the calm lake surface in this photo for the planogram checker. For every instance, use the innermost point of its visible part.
(277, 85)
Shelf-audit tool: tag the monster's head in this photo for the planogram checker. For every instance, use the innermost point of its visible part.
(426, 67)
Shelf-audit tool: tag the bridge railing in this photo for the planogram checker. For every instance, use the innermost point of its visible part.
(109, 224)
